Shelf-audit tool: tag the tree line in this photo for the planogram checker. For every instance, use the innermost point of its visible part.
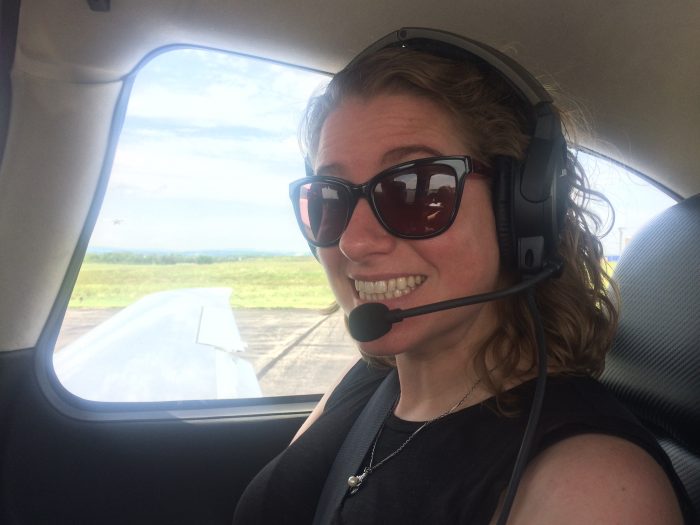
(156, 258)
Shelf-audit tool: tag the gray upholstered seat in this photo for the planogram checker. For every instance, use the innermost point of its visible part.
(654, 366)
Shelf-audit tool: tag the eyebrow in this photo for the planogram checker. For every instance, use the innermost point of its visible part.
(329, 170)
(391, 157)
(399, 154)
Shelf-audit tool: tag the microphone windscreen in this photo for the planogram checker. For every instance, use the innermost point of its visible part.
(369, 321)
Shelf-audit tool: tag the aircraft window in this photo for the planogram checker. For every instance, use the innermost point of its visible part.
(197, 283)
(634, 200)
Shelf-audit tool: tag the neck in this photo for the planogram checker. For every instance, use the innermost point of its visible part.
(430, 388)
(434, 379)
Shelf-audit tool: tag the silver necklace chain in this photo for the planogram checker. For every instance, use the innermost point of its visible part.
(354, 482)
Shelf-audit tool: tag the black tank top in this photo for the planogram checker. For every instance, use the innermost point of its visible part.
(452, 472)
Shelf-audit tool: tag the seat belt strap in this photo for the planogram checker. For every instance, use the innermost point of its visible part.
(353, 450)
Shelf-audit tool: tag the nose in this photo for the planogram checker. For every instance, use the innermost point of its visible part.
(365, 236)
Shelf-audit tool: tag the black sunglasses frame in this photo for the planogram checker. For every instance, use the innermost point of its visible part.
(462, 166)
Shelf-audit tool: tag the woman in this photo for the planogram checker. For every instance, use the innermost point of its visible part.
(433, 130)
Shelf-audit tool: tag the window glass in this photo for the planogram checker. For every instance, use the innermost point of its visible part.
(634, 202)
(197, 283)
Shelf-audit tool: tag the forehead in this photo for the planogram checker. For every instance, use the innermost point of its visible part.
(366, 131)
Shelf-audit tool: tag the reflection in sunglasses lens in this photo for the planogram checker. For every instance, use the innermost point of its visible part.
(419, 203)
(324, 208)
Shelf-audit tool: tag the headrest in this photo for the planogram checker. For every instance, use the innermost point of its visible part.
(654, 365)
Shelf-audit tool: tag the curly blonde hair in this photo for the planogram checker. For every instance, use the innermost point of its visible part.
(578, 308)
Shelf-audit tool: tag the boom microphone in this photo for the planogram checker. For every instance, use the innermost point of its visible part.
(371, 321)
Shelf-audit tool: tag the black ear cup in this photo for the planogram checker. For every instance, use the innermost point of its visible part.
(502, 200)
(528, 226)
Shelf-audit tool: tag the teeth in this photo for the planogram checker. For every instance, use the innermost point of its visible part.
(390, 289)
(401, 283)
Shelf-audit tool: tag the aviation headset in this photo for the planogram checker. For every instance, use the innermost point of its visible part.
(530, 195)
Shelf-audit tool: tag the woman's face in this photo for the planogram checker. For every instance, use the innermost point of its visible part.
(358, 140)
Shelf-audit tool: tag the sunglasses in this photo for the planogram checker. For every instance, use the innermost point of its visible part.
(413, 200)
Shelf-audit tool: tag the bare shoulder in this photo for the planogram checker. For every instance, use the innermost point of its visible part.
(595, 478)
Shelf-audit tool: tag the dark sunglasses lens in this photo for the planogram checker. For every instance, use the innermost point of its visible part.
(323, 211)
(417, 202)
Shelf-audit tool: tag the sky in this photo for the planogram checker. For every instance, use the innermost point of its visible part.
(210, 144)
(208, 148)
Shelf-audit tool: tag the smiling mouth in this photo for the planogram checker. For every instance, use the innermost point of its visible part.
(388, 289)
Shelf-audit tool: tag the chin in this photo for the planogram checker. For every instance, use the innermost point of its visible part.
(377, 349)
(403, 337)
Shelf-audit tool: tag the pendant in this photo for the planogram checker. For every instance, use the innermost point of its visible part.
(354, 482)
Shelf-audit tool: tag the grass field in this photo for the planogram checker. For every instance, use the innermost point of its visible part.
(261, 282)
(257, 282)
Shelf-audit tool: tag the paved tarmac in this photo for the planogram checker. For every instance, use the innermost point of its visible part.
(293, 351)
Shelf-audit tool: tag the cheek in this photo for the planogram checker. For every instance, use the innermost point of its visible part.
(479, 212)
(329, 259)
(473, 243)
(487, 235)
(332, 262)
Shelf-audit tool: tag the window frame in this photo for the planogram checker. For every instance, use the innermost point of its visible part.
(81, 409)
